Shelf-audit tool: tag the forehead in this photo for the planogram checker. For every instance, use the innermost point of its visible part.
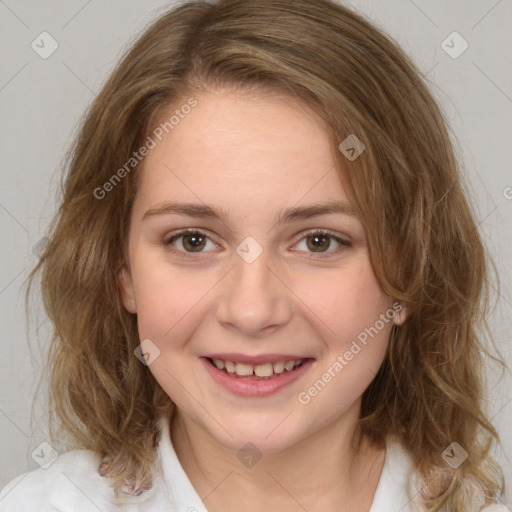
(236, 149)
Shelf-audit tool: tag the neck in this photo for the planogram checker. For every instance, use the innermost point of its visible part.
(334, 465)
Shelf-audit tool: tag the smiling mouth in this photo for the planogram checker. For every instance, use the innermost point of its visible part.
(265, 371)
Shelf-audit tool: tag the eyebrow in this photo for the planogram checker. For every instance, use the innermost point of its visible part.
(288, 215)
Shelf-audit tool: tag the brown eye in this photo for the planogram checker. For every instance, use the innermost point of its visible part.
(318, 243)
(193, 243)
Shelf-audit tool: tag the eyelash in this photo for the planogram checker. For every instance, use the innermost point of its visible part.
(191, 231)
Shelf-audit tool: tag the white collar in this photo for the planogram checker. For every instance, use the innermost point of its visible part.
(181, 493)
(397, 483)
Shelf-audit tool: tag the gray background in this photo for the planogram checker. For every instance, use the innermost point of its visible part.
(42, 101)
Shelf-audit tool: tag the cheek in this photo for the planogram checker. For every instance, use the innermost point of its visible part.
(355, 333)
(355, 337)
(170, 299)
(346, 303)
(171, 304)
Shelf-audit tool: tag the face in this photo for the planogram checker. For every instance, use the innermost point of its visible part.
(266, 322)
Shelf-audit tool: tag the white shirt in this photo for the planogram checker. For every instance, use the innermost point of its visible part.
(73, 484)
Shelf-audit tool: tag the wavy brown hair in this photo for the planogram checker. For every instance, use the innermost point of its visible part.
(423, 240)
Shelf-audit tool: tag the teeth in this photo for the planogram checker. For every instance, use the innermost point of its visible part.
(244, 369)
(279, 367)
(264, 370)
(260, 370)
(289, 365)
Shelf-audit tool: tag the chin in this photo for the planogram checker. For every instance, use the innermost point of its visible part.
(267, 436)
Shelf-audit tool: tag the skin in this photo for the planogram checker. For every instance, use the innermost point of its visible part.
(254, 156)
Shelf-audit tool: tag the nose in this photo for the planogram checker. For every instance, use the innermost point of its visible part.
(254, 300)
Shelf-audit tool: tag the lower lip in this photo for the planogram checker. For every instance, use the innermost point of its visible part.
(255, 388)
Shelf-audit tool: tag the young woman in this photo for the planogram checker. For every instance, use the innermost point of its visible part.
(265, 279)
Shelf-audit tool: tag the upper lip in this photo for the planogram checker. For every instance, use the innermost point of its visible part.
(254, 360)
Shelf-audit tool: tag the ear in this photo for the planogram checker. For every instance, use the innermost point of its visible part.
(400, 313)
(127, 291)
